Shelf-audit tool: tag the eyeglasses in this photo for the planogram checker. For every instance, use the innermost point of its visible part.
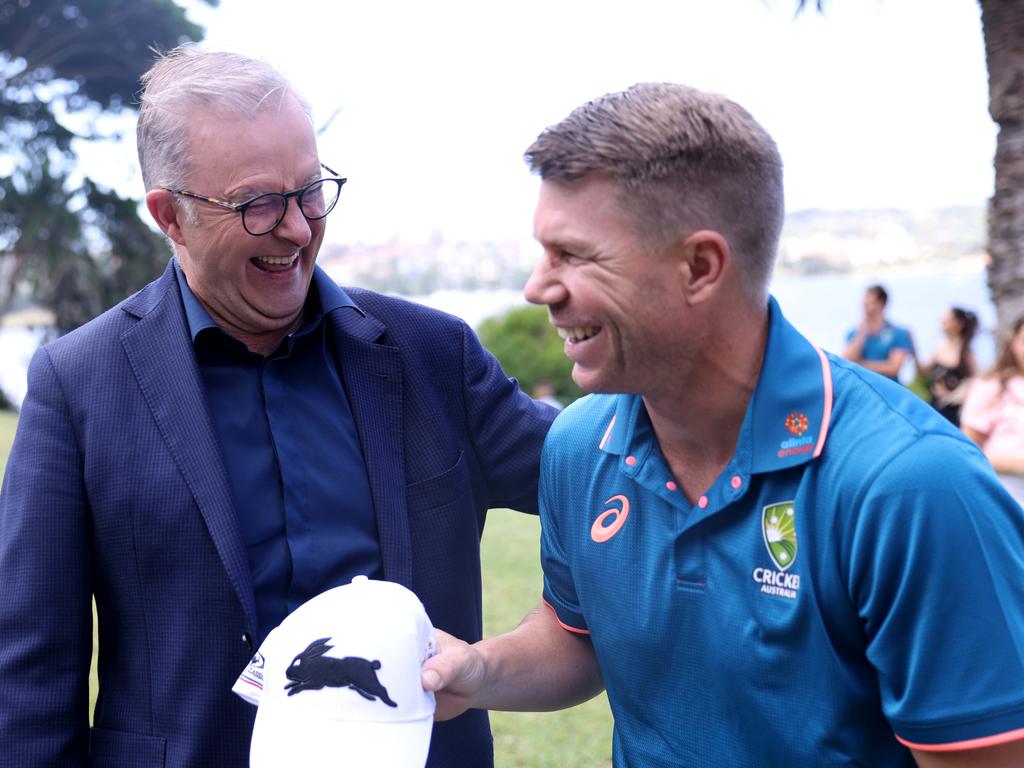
(262, 214)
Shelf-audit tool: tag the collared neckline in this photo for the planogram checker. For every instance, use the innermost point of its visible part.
(786, 422)
(326, 294)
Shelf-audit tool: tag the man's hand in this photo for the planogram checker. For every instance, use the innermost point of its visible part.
(537, 667)
(455, 674)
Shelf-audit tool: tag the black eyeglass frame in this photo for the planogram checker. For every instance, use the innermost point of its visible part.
(241, 208)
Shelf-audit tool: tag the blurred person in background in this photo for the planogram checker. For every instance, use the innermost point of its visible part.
(875, 343)
(993, 412)
(952, 365)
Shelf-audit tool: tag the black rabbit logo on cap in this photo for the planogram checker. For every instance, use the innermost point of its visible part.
(311, 670)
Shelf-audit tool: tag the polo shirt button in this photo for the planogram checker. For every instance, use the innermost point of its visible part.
(630, 461)
(702, 502)
(246, 640)
(736, 481)
(671, 485)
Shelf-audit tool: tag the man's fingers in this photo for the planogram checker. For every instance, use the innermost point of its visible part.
(454, 674)
(450, 666)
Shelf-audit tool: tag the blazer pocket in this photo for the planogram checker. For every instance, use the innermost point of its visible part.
(440, 489)
(119, 749)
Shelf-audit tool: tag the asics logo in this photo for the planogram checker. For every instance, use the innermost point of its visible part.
(600, 532)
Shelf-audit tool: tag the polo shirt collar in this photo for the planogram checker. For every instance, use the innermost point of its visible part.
(786, 422)
(791, 409)
(326, 293)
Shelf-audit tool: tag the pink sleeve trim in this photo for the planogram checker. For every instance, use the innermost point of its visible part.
(957, 746)
(826, 415)
(561, 623)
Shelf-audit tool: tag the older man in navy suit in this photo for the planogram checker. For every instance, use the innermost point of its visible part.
(237, 437)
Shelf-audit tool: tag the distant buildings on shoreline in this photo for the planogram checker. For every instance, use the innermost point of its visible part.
(813, 242)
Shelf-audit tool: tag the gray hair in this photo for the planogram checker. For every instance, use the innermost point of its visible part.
(185, 81)
(683, 160)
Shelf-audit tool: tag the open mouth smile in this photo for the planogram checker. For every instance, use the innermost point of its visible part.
(274, 263)
(577, 334)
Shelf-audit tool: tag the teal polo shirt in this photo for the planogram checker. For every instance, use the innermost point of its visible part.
(853, 579)
(878, 346)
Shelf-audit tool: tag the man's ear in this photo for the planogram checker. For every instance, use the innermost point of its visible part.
(705, 254)
(165, 213)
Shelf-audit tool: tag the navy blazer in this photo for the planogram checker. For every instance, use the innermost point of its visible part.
(116, 488)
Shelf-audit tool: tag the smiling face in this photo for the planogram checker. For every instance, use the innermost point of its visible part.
(618, 306)
(253, 287)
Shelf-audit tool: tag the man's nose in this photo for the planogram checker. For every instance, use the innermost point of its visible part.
(294, 227)
(544, 285)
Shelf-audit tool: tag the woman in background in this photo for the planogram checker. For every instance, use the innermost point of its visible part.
(952, 364)
(993, 413)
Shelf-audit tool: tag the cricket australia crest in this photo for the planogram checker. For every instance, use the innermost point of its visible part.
(778, 526)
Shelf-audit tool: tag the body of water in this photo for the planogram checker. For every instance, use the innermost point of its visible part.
(826, 307)
(823, 307)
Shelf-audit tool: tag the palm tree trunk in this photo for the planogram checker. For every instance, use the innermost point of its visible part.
(1003, 28)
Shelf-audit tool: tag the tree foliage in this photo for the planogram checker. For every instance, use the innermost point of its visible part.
(529, 348)
(65, 66)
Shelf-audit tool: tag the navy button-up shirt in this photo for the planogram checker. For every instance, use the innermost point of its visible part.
(292, 454)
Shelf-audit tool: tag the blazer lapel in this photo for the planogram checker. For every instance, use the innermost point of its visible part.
(372, 375)
(161, 355)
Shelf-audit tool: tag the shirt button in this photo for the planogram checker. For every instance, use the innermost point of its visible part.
(671, 485)
(702, 502)
(630, 461)
(736, 481)
(246, 640)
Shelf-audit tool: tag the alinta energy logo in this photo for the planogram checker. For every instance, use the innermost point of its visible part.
(778, 529)
(797, 424)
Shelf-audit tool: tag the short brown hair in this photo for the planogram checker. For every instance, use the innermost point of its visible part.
(684, 160)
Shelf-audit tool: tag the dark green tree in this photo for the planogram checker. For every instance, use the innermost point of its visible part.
(529, 348)
(65, 64)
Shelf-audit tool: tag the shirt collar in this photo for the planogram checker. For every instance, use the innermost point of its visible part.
(325, 295)
(787, 420)
(790, 412)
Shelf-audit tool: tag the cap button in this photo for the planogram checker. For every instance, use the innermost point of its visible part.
(357, 579)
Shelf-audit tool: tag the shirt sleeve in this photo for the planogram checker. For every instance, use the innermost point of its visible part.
(979, 411)
(903, 340)
(559, 585)
(937, 576)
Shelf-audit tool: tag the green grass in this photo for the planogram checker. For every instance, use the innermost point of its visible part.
(574, 738)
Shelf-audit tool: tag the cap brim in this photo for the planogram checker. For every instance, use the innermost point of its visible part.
(293, 743)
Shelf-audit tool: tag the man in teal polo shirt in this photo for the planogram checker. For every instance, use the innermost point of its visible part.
(768, 555)
(876, 343)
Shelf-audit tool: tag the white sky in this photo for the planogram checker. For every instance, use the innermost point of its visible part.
(880, 103)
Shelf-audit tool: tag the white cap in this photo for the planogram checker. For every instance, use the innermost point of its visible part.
(338, 682)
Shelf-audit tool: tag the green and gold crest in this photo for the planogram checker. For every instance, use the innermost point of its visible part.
(778, 526)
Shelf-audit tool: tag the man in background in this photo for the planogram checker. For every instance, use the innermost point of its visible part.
(876, 343)
(767, 555)
(239, 436)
